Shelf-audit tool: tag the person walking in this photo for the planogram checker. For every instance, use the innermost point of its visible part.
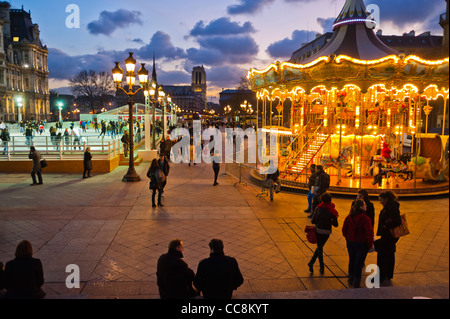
(173, 275)
(386, 246)
(87, 162)
(126, 142)
(219, 275)
(6, 138)
(358, 231)
(76, 136)
(66, 138)
(216, 168)
(311, 183)
(321, 184)
(155, 182)
(37, 168)
(165, 167)
(272, 183)
(24, 275)
(103, 132)
(29, 135)
(191, 152)
(324, 218)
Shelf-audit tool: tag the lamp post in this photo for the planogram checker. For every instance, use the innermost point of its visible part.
(247, 107)
(19, 102)
(60, 105)
(130, 63)
(161, 98)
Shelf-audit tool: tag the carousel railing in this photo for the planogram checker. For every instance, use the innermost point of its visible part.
(302, 149)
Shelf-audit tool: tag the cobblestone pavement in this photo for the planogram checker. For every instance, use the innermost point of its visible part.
(109, 229)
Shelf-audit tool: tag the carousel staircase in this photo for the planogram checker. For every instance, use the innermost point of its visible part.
(308, 153)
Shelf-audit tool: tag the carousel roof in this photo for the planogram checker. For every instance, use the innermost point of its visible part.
(354, 36)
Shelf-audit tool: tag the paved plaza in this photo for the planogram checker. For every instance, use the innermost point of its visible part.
(109, 229)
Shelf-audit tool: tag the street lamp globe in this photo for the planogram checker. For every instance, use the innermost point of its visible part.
(117, 74)
(130, 63)
(143, 75)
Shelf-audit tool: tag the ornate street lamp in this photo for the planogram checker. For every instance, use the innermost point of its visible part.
(130, 63)
(19, 102)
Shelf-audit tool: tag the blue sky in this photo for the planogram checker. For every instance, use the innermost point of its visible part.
(227, 36)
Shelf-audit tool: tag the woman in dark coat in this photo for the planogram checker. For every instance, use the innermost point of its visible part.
(324, 218)
(155, 183)
(386, 245)
(87, 162)
(24, 275)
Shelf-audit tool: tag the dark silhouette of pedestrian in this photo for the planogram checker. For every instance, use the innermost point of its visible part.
(126, 143)
(24, 275)
(216, 169)
(311, 183)
(165, 167)
(219, 275)
(370, 211)
(358, 231)
(173, 275)
(155, 182)
(87, 162)
(321, 184)
(386, 246)
(37, 168)
(324, 217)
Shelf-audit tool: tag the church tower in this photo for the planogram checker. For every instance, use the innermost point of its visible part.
(199, 82)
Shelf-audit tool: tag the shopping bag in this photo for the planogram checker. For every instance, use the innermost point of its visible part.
(401, 230)
(311, 234)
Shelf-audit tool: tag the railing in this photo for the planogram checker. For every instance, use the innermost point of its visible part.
(297, 154)
(66, 148)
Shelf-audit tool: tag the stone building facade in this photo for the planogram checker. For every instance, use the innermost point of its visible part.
(23, 67)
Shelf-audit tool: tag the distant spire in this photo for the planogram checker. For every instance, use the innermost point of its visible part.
(154, 69)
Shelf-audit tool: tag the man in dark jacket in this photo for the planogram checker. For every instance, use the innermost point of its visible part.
(311, 183)
(218, 275)
(321, 184)
(37, 168)
(174, 277)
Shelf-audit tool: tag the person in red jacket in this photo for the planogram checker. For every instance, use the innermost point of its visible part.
(358, 232)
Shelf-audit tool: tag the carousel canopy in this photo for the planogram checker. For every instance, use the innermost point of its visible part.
(354, 56)
(354, 35)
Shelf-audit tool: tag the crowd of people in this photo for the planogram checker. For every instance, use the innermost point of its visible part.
(358, 228)
(218, 276)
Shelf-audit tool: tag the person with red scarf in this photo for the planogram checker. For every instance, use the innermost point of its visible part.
(324, 217)
(358, 232)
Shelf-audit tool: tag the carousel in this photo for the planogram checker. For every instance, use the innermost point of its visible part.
(351, 107)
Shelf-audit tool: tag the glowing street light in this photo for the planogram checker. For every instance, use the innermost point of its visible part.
(130, 63)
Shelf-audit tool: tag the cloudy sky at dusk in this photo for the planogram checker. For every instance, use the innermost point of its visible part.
(228, 36)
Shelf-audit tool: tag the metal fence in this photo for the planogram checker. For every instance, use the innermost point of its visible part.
(66, 148)
(248, 174)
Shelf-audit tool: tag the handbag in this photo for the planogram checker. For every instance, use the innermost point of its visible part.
(311, 235)
(401, 230)
(43, 163)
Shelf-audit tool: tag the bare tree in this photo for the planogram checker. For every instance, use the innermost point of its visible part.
(244, 84)
(92, 85)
